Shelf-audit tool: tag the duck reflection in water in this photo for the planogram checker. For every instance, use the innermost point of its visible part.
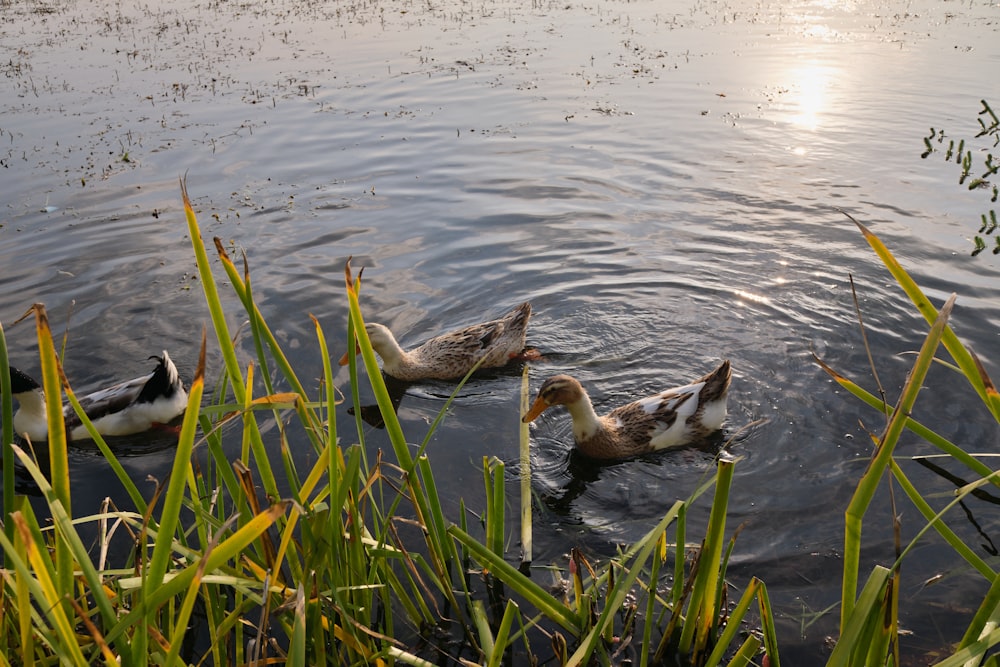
(578, 481)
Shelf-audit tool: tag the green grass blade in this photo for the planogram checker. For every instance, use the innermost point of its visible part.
(261, 332)
(767, 626)
(50, 595)
(951, 342)
(534, 594)
(869, 482)
(745, 653)
(330, 407)
(987, 617)
(914, 426)
(935, 519)
(494, 474)
(218, 316)
(482, 622)
(510, 612)
(702, 614)
(680, 548)
(17, 558)
(972, 654)
(227, 550)
(392, 426)
(180, 623)
(868, 609)
(621, 589)
(441, 548)
(57, 442)
(658, 558)
(176, 484)
(7, 415)
(64, 526)
(711, 573)
(736, 616)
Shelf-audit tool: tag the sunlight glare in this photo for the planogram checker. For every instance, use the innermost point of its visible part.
(810, 86)
(744, 295)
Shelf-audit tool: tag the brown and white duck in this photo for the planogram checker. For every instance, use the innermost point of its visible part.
(671, 418)
(452, 355)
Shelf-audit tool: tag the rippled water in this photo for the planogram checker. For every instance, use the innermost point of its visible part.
(661, 180)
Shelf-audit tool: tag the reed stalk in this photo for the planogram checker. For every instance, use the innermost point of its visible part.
(869, 482)
(349, 558)
(869, 622)
(7, 432)
(525, 473)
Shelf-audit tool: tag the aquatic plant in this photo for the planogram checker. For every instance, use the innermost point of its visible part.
(869, 619)
(245, 560)
(989, 136)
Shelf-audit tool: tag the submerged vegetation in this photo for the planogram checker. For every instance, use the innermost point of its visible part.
(357, 560)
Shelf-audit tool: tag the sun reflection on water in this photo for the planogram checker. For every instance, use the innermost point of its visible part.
(744, 295)
(810, 89)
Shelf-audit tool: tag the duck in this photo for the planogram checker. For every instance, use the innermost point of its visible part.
(672, 418)
(452, 355)
(134, 406)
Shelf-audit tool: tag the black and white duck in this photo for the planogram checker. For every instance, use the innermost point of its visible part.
(133, 406)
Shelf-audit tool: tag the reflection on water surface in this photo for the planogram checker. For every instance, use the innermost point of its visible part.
(661, 182)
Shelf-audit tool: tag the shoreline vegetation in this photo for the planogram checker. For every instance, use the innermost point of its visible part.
(360, 562)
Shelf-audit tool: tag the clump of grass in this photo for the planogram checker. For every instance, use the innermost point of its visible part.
(869, 620)
(331, 571)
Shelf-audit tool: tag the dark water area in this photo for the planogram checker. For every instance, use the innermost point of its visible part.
(663, 181)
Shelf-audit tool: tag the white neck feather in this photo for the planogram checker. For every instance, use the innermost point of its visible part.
(585, 421)
(31, 410)
(393, 356)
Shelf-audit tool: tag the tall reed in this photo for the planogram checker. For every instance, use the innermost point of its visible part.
(869, 619)
(331, 573)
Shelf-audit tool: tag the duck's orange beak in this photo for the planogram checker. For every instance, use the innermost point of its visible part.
(346, 359)
(537, 408)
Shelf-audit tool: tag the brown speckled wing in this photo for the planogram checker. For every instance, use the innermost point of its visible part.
(637, 426)
(491, 331)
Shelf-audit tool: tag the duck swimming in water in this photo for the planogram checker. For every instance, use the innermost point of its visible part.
(671, 418)
(134, 406)
(452, 355)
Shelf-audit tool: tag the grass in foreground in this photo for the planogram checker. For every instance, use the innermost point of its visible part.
(333, 572)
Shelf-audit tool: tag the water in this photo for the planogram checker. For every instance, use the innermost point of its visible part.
(663, 181)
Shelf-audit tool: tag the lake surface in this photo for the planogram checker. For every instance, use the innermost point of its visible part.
(662, 180)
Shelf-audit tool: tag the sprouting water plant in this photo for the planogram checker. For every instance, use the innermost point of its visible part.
(966, 156)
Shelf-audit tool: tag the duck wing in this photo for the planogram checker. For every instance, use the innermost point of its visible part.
(485, 334)
(163, 382)
(656, 414)
(471, 340)
(512, 324)
(654, 422)
(463, 347)
(107, 401)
